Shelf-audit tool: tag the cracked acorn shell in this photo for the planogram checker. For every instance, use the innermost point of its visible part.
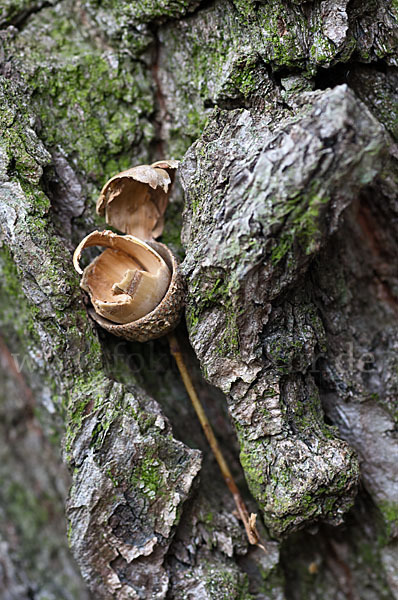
(135, 285)
(134, 201)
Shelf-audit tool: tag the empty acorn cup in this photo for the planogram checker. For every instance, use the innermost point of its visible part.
(135, 285)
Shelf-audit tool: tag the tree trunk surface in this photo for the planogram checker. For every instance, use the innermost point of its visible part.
(284, 116)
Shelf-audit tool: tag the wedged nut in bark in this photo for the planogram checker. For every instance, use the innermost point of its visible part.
(134, 201)
(127, 280)
(136, 289)
(135, 286)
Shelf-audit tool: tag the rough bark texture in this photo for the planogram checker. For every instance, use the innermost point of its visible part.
(284, 115)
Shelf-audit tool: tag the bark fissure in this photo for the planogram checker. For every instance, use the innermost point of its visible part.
(283, 114)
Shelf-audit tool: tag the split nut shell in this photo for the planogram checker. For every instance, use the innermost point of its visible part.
(159, 307)
(135, 286)
(164, 318)
(134, 201)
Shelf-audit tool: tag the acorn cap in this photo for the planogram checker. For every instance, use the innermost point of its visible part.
(134, 201)
(126, 281)
(164, 317)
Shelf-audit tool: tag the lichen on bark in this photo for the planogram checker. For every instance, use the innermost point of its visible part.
(287, 187)
(290, 236)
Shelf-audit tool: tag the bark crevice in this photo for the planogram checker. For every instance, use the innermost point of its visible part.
(284, 115)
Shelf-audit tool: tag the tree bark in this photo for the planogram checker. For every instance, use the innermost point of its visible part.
(284, 117)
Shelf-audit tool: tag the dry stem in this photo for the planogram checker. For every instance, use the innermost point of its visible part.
(249, 521)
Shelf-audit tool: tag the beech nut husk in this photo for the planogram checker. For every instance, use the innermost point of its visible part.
(135, 286)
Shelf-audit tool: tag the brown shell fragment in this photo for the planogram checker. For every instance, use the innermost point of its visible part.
(134, 201)
(136, 289)
(164, 318)
(125, 282)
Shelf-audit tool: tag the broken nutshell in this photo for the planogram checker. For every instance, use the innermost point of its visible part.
(135, 285)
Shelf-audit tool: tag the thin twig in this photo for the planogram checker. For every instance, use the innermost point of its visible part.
(249, 521)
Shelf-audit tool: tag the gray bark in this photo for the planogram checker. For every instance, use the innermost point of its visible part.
(284, 115)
